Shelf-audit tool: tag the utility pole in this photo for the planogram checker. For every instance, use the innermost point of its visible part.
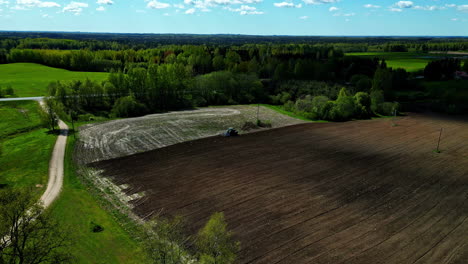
(258, 111)
(438, 143)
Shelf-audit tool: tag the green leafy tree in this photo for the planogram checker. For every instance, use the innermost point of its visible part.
(214, 242)
(344, 108)
(28, 233)
(377, 99)
(363, 104)
(320, 107)
(165, 241)
(128, 106)
(47, 116)
(382, 80)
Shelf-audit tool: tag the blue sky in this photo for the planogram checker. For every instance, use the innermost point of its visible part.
(262, 17)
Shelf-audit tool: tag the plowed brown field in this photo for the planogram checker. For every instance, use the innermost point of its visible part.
(354, 192)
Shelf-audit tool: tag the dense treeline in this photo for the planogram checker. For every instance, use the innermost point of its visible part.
(151, 75)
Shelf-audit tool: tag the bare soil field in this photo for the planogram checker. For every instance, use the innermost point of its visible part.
(354, 192)
(123, 137)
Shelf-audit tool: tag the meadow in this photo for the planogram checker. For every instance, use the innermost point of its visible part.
(410, 61)
(26, 149)
(30, 79)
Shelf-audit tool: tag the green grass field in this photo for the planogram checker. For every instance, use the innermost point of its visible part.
(29, 79)
(17, 117)
(26, 148)
(409, 61)
(77, 209)
(25, 159)
(24, 163)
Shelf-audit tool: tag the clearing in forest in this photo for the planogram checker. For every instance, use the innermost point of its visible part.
(31, 79)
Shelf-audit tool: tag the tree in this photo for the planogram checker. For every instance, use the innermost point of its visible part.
(382, 80)
(363, 104)
(28, 233)
(214, 242)
(165, 242)
(377, 99)
(47, 116)
(344, 106)
(128, 106)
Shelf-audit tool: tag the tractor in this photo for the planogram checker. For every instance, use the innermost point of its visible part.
(230, 132)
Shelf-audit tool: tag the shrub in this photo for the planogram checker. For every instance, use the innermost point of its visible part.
(389, 108)
(289, 106)
(128, 107)
(248, 126)
(320, 107)
(377, 99)
(343, 108)
(265, 123)
(304, 105)
(363, 104)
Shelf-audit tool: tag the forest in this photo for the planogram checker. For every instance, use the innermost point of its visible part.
(311, 76)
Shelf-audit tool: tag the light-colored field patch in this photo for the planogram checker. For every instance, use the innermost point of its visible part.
(124, 137)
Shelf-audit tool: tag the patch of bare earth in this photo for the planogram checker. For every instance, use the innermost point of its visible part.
(354, 192)
(123, 137)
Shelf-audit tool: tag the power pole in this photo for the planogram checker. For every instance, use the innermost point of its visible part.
(438, 143)
(258, 111)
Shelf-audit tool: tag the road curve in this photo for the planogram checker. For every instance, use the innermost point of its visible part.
(54, 185)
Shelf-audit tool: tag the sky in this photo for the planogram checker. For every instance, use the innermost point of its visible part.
(253, 17)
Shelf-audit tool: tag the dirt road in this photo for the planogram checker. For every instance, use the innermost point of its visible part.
(54, 185)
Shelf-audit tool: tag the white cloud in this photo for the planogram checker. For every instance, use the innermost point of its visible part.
(246, 10)
(430, 8)
(3, 2)
(392, 9)
(333, 9)
(154, 4)
(463, 8)
(454, 19)
(180, 6)
(75, 7)
(25, 4)
(105, 2)
(190, 11)
(318, 2)
(371, 6)
(304, 17)
(404, 4)
(100, 9)
(344, 14)
(287, 4)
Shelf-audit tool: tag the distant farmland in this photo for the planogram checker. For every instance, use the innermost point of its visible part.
(354, 192)
(30, 79)
(410, 61)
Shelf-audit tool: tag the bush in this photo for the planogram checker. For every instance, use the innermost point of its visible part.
(389, 108)
(248, 126)
(343, 108)
(289, 106)
(363, 104)
(265, 123)
(128, 107)
(377, 99)
(320, 107)
(304, 105)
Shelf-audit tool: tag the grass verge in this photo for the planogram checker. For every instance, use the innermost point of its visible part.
(80, 210)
